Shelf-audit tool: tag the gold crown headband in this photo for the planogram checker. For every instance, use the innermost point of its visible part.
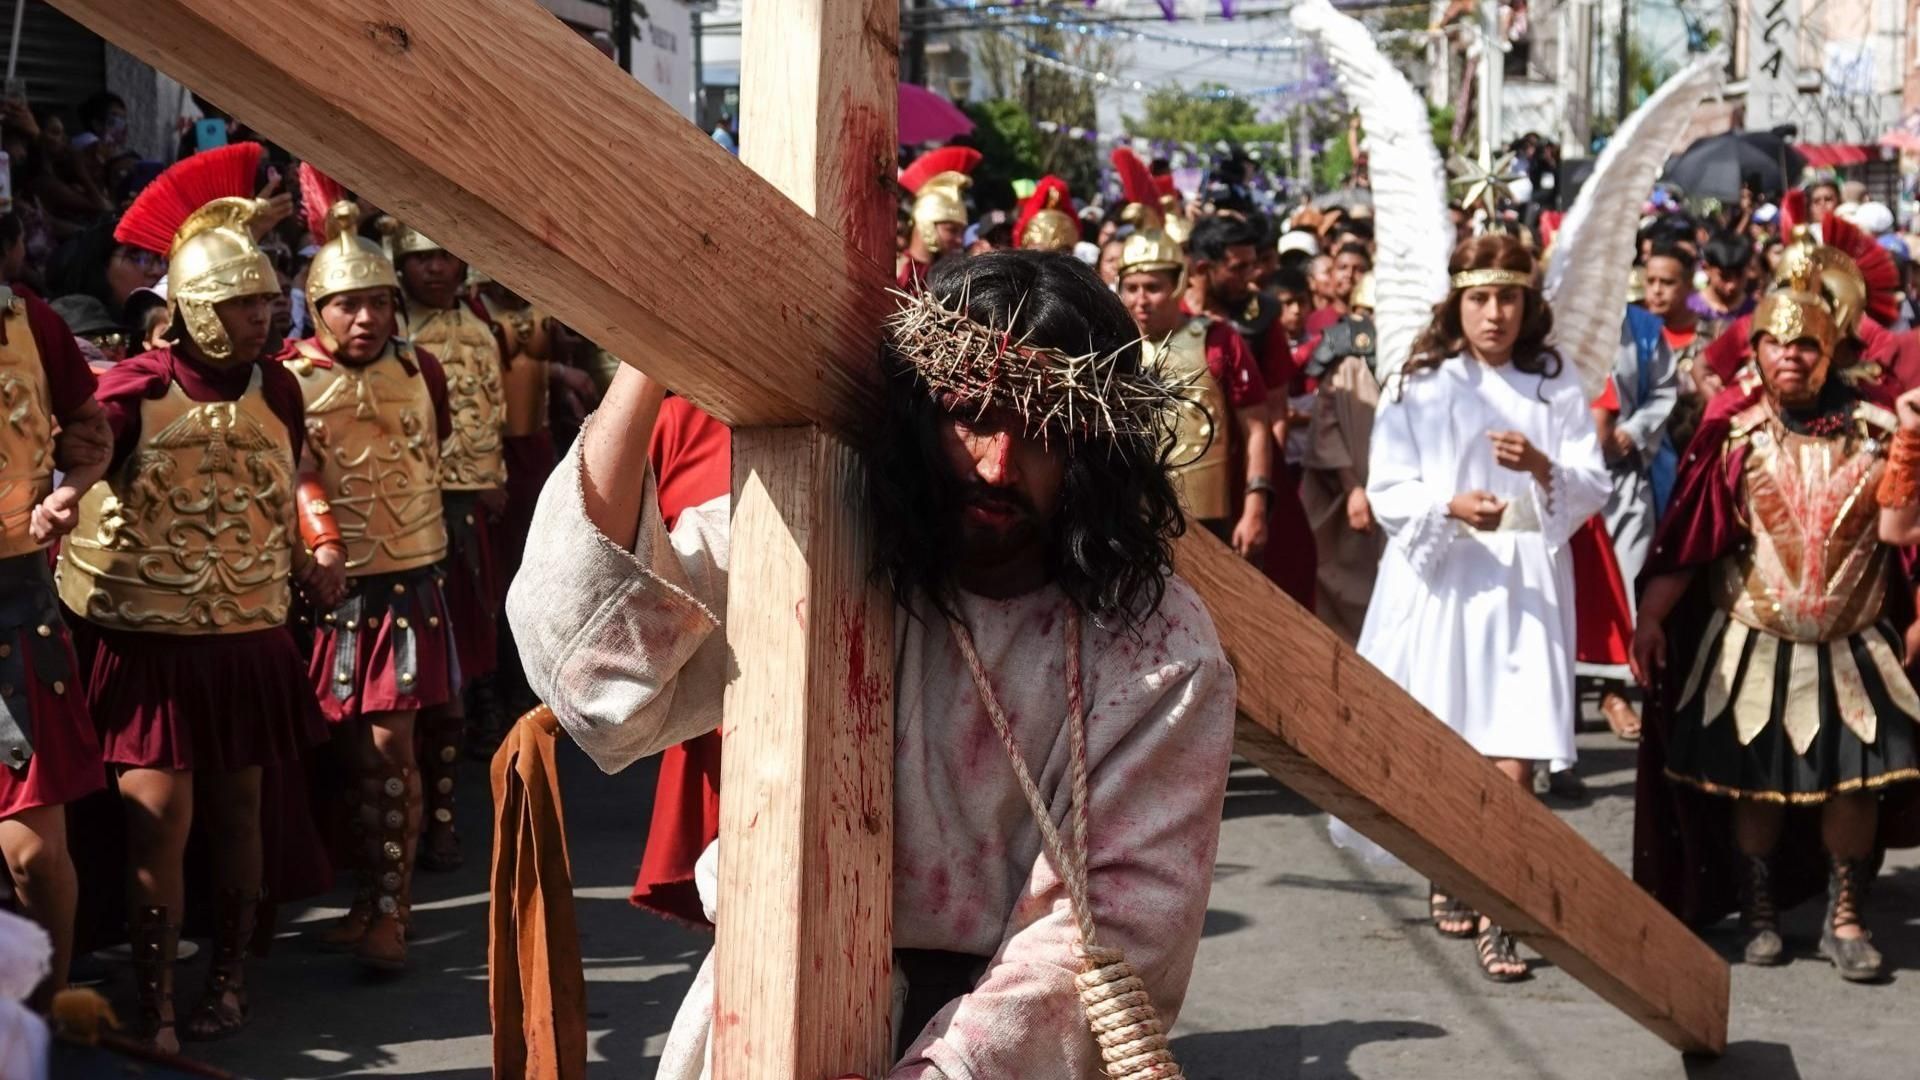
(983, 367)
(1474, 279)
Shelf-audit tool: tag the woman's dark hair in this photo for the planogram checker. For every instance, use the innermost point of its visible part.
(1728, 252)
(95, 110)
(1111, 548)
(1445, 337)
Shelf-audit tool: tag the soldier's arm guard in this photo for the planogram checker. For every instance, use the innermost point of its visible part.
(317, 527)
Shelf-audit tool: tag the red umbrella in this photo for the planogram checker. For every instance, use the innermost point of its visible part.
(926, 117)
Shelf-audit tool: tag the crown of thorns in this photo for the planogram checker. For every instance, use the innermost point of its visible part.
(981, 366)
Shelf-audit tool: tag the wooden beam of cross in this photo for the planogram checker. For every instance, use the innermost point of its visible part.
(488, 124)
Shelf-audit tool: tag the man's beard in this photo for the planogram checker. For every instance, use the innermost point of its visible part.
(984, 546)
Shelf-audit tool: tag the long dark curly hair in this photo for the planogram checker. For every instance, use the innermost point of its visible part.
(1111, 544)
(1446, 337)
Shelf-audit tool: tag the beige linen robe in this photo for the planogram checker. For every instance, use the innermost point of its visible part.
(1337, 440)
(625, 648)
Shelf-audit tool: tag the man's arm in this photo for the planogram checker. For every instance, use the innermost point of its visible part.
(1649, 421)
(614, 615)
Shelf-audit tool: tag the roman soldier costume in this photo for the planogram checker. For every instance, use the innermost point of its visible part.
(1783, 681)
(182, 557)
(1046, 221)
(375, 429)
(472, 462)
(938, 181)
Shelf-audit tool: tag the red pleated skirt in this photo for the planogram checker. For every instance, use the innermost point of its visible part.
(1292, 559)
(379, 681)
(200, 701)
(65, 761)
(472, 591)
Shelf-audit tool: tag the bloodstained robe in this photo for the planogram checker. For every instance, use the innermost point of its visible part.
(626, 649)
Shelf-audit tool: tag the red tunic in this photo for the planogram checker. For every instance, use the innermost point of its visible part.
(692, 457)
(172, 701)
(415, 596)
(1604, 616)
(65, 763)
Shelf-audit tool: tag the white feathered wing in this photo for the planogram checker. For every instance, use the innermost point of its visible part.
(1593, 252)
(1410, 227)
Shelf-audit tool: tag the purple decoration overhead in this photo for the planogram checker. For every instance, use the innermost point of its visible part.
(1166, 9)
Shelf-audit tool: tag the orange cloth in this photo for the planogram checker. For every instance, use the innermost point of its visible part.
(535, 984)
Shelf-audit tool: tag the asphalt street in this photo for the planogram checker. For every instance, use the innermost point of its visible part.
(1314, 965)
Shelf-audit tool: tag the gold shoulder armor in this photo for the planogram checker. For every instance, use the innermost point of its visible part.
(1874, 420)
(1746, 422)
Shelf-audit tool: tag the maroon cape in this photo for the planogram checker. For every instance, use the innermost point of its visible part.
(1683, 850)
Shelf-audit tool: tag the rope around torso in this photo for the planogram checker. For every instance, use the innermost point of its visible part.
(1118, 1009)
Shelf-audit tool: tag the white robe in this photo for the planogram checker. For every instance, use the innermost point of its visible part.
(1479, 626)
(625, 647)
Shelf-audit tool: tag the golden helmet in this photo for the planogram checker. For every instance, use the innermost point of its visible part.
(939, 180)
(1791, 315)
(404, 239)
(1046, 218)
(1819, 269)
(215, 258)
(345, 263)
(1363, 292)
(1159, 234)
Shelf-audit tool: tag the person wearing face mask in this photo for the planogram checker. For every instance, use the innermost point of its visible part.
(1764, 636)
(1484, 461)
(182, 564)
(383, 649)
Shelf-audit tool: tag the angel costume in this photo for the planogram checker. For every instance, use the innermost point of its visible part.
(626, 648)
(1479, 626)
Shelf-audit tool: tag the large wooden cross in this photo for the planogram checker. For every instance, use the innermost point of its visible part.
(756, 289)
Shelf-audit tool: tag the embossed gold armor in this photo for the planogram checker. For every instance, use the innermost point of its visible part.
(470, 458)
(26, 431)
(370, 432)
(190, 535)
(1200, 469)
(1814, 569)
(524, 379)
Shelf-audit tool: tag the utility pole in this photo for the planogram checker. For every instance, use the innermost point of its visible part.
(1625, 104)
(913, 44)
(623, 34)
(1493, 72)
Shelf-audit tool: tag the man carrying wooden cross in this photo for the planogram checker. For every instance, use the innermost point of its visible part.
(1064, 712)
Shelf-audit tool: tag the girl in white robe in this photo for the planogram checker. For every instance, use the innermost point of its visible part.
(1484, 462)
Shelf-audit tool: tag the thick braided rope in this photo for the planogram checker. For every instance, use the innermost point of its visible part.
(1118, 1009)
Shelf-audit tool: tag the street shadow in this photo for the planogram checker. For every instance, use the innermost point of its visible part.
(1283, 1052)
(1219, 922)
(316, 1015)
(1251, 792)
(1747, 1061)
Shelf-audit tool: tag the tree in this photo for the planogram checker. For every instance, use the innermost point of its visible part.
(1014, 61)
(1202, 117)
(1011, 145)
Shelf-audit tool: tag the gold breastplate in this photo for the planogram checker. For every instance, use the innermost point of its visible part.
(190, 534)
(470, 458)
(370, 431)
(1200, 463)
(525, 380)
(1814, 570)
(26, 431)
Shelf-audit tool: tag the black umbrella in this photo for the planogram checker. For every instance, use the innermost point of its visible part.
(1716, 165)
